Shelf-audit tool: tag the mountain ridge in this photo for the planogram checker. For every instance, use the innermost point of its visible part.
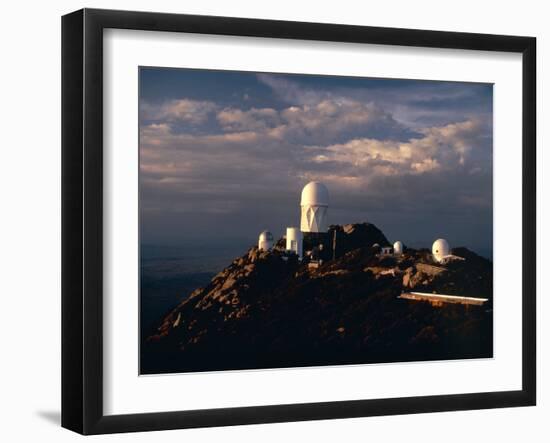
(267, 309)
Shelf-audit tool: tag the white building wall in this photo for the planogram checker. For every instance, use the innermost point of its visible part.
(314, 219)
(294, 241)
(398, 248)
(265, 241)
(440, 249)
(314, 203)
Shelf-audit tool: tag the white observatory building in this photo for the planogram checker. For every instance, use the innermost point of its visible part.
(398, 248)
(440, 250)
(265, 241)
(294, 241)
(314, 204)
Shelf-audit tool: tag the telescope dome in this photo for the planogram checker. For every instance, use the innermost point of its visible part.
(265, 241)
(398, 248)
(314, 194)
(440, 249)
(266, 236)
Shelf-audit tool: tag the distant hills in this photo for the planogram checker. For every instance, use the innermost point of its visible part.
(267, 310)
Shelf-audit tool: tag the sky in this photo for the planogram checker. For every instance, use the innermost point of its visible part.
(225, 155)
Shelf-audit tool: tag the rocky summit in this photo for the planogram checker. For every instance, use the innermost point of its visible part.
(269, 310)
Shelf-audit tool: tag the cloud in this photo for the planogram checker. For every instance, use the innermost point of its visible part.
(232, 119)
(207, 166)
(426, 165)
(204, 167)
(244, 169)
(415, 104)
(327, 121)
(340, 119)
(439, 149)
(290, 91)
(178, 110)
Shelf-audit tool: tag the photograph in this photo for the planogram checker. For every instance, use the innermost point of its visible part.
(295, 220)
(260, 222)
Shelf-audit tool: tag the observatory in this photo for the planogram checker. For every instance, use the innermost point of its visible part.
(265, 241)
(398, 248)
(440, 249)
(294, 241)
(314, 206)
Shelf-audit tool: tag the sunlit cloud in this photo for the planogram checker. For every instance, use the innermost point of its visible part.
(229, 160)
(182, 110)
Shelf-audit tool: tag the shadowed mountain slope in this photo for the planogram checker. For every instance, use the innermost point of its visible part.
(269, 310)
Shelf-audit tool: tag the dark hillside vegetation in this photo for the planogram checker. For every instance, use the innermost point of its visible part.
(266, 310)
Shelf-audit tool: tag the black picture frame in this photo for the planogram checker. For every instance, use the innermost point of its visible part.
(82, 219)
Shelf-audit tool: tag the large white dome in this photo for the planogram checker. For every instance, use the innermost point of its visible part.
(440, 249)
(314, 194)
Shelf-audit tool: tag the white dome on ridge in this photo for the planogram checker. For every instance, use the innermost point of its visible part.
(440, 249)
(314, 194)
(265, 241)
(398, 248)
(266, 236)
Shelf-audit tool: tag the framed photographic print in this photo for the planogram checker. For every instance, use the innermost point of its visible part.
(269, 221)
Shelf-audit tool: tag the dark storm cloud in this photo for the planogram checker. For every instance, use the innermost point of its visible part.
(415, 158)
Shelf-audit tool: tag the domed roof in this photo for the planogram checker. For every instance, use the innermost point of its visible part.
(266, 236)
(314, 194)
(440, 248)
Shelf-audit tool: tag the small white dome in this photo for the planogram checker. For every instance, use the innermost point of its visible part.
(265, 241)
(440, 249)
(265, 236)
(398, 248)
(314, 194)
